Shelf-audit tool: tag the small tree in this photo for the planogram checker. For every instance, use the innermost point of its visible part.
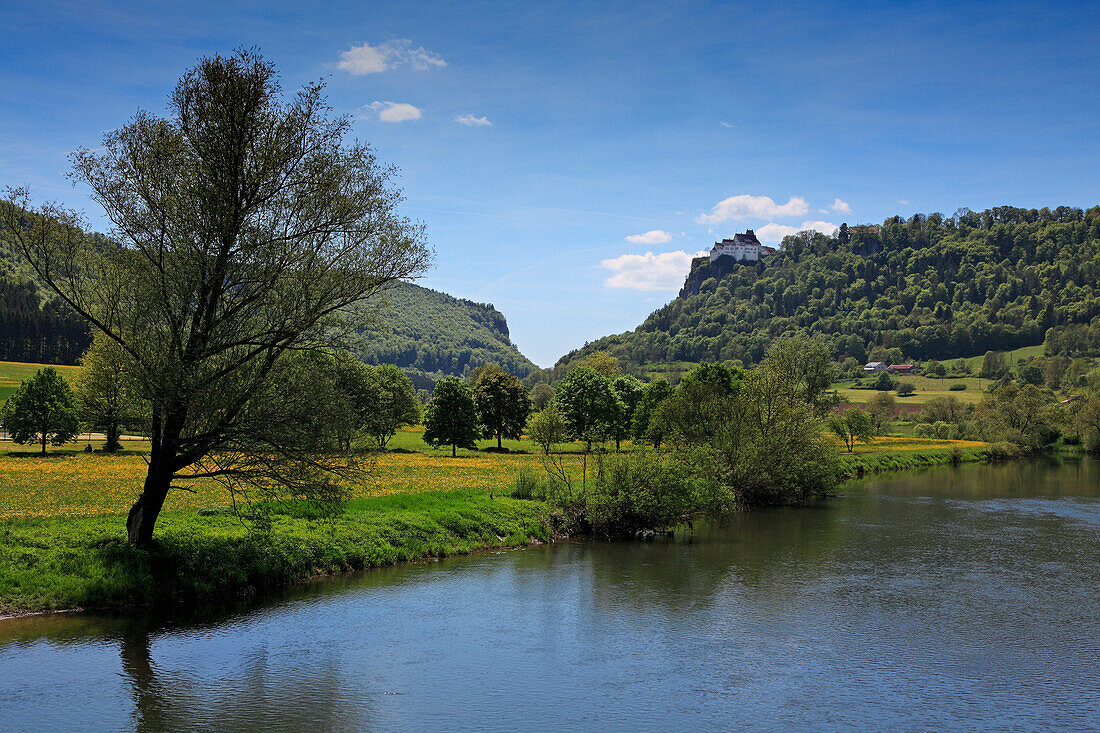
(936, 369)
(451, 416)
(390, 403)
(906, 389)
(502, 404)
(853, 426)
(42, 410)
(602, 362)
(881, 408)
(547, 428)
(106, 392)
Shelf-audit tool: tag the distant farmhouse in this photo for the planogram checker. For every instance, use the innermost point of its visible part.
(743, 248)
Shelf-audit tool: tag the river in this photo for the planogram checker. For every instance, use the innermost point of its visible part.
(948, 599)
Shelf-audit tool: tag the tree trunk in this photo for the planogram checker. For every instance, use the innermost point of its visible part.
(43, 442)
(454, 451)
(144, 512)
(498, 441)
(113, 444)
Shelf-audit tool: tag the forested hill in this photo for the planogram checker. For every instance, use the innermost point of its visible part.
(931, 286)
(431, 335)
(428, 334)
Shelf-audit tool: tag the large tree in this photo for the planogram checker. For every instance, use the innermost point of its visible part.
(588, 404)
(390, 403)
(451, 416)
(502, 404)
(42, 410)
(246, 228)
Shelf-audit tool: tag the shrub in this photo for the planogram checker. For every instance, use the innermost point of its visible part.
(999, 451)
(638, 491)
(957, 387)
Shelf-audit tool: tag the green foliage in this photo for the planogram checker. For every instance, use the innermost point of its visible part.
(643, 428)
(1023, 416)
(81, 562)
(883, 382)
(43, 410)
(932, 287)
(502, 404)
(958, 387)
(431, 335)
(547, 427)
(905, 389)
(639, 491)
(629, 390)
(588, 404)
(106, 391)
(994, 365)
(387, 402)
(854, 426)
(541, 395)
(451, 416)
(881, 408)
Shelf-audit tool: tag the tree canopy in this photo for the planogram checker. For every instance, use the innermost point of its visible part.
(246, 229)
(451, 417)
(43, 410)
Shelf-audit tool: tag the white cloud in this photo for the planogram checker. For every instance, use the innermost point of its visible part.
(774, 233)
(841, 206)
(649, 272)
(654, 237)
(391, 111)
(746, 206)
(368, 59)
(470, 121)
(723, 123)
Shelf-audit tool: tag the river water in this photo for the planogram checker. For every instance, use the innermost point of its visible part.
(949, 599)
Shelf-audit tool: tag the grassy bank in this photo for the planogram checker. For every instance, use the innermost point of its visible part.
(857, 464)
(62, 517)
(85, 562)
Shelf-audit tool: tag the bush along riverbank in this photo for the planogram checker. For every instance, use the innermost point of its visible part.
(86, 563)
(854, 465)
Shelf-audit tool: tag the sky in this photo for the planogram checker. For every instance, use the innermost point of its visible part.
(568, 159)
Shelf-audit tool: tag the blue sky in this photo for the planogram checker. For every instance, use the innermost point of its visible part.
(568, 158)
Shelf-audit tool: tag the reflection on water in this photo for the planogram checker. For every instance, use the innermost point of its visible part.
(948, 599)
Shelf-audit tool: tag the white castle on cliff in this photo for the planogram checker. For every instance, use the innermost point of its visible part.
(743, 248)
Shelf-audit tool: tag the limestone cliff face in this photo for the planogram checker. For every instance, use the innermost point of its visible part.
(702, 269)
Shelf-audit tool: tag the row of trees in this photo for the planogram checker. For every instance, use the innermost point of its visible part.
(353, 402)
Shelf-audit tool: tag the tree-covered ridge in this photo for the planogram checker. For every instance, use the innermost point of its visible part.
(931, 286)
(431, 335)
(34, 326)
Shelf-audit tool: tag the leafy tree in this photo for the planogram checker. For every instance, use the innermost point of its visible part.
(42, 410)
(603, 364)
(1024, 416)
(994, 365)
(248, 228)
(720, 377)
(653, 395)
(629, 391)
(881, 407)
(541, 395)
(936, 369)
(853, 426)
(905, 389)
(805, 365)
(844, 235)
(106, 392)
(502, 404)
(451, 417)
(1031, 374)
(588, 404)
(389, 403)
(883, 382)
(547, 427)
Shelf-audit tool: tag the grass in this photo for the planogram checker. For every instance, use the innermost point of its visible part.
(12, 374)
(85, 562)
(927, 388)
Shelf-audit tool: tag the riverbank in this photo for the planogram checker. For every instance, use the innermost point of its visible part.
(62, 528)
(85, 562)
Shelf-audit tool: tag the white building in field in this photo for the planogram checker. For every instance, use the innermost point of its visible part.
(743, 248)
